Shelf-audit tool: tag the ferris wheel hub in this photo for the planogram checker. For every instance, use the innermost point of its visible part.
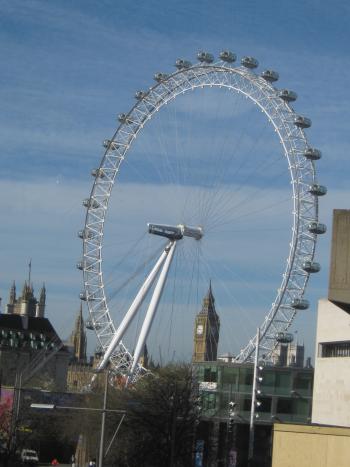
(175, 232)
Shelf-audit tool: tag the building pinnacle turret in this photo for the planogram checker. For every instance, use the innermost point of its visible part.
(78, 337)
(12, 297)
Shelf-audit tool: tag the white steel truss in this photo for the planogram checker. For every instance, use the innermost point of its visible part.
(282, 117)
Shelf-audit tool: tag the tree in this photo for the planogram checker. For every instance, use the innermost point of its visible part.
(161, 418)
(6, 401)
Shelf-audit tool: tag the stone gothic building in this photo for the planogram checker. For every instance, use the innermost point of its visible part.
(30, 348)
(26, 304)
(78, 338)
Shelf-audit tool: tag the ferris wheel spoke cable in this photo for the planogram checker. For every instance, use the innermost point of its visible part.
(136, 273)
(172, 304)
(223, 198)
(227, 196)
(210, 268)
(196, 186)
(247, 199)
(229, 333)
(219, 178)
(130, 250)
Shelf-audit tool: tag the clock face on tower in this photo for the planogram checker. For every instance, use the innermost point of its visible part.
(200, 329)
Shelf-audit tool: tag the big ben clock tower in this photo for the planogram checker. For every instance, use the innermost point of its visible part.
(206, 331)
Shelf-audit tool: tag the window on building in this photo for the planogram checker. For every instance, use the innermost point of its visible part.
(247, 404)
(210, 376)
(302, 407)
(268, 382)
(284, 406)
(229, 376)
(334, 349)
(209, 401)
(245, 377)
(302, 381)
(283, 381)
(224, 400)
(265, 404)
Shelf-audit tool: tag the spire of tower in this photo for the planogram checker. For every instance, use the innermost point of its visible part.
(12, 297)
(42, 298)
(25, 290)
(29, 271)
(208, 306)
(207, 328)
(79, 325)
(78, 337)
(40, 306)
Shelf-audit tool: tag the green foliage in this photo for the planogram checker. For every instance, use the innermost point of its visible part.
(159, 427)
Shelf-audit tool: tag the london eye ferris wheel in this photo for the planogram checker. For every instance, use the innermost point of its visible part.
(212, 178)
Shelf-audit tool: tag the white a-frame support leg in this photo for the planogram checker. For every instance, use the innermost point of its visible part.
(152, 308)
(124, 325)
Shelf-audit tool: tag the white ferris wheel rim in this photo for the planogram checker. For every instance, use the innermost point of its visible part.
(282, 117)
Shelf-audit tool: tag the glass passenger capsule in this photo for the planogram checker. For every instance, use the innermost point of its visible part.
(123, 118)
(317, 190)
(90, 203)
(81, 264)
(302, 122)
(160, 77)
(205, 57)
(270, 75)
(182, 64)
(287, 95)
(111, 145)
(98, 173)
(249, 62)
(89, 325)
(311, 266)
(317, 228)
(300, 304)
(284, 337)
(313, 154)
(140, 95)
(82, 296)
(227, 56)
(85, 234)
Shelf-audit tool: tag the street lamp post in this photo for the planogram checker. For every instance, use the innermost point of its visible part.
(252, 409)
(231, 435)
(103, 422)
(103, 410)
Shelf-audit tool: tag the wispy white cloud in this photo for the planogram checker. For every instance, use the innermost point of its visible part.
(70, 68)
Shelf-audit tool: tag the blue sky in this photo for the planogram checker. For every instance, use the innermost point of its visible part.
(68, 69)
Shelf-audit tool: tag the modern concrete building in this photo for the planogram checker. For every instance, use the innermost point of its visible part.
(339, 277)
(310, 446)
(331, 397)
